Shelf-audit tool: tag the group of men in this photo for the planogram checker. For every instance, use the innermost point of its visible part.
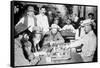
(39, 30)
(31, 20)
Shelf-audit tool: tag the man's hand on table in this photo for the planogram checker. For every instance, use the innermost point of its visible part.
(52, 42)
(67, 46)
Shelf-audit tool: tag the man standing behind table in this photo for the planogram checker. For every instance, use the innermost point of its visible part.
(28, 20)
(42, 20)
(69, 26)
(89, 43)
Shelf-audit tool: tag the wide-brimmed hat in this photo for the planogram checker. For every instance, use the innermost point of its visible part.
(37, 30)
(89, 22)
(30, 8)
(86, 22)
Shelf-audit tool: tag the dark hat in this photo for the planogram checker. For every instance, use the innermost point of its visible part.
(37, 30)
(91, 14)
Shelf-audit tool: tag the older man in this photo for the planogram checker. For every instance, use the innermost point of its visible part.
(53, 36)
(28, 20)
(89, 43)
(19, 57)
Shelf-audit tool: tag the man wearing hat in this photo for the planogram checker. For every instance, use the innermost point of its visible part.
(27, 48)
(88, 42)
(36, 37)
(80, 31)
(90, 20)
(23, 48)
(18, 51)
(27, 21)
(53, 36)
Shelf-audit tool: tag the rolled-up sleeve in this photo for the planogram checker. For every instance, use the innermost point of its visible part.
(20, 21)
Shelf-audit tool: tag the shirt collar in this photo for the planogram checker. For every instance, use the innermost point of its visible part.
(91, 32)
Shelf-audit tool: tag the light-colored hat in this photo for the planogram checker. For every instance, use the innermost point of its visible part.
(30, 8)
(87, 22)
(54, 26)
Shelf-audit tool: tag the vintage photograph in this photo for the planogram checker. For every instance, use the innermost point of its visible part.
(52, 33)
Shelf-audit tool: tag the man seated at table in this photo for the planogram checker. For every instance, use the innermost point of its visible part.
(89, 43)
(80, 32)
(18, 51)
(53, 36)
(68, 26)
(35, 38)
(27, 50)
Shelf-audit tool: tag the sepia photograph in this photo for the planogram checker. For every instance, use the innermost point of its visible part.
(44, 33)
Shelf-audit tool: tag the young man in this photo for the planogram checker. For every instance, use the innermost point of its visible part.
(89, 43)
(56, 22)
(42, 20)
(69, 26)
(28, 20)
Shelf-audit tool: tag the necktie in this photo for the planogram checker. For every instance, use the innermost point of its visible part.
(79, 31)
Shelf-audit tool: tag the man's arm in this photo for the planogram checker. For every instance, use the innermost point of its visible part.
(46, 25)
(64, 28)
(76, 43)
(73, 29)
(20, 21)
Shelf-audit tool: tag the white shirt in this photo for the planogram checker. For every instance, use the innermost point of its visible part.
(67, 27)
(30, 22)
(42, 22)
(89, 44)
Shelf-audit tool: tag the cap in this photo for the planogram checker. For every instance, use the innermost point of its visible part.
(54, 26)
